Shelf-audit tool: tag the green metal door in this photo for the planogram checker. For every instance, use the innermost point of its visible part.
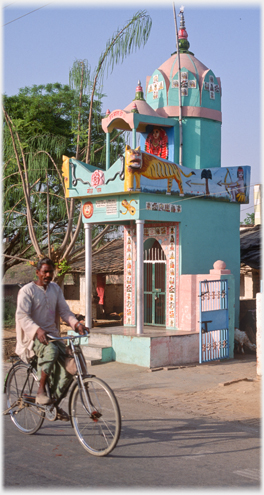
(154, 286)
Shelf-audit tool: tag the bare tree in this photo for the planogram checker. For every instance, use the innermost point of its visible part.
(68, 250)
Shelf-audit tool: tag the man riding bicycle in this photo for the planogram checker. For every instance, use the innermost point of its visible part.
(39, 306)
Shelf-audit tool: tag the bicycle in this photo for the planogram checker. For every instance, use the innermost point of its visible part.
(93, 408)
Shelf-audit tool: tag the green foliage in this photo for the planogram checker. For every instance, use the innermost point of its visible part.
(249, 220)
(63, 266)
(124, 41)
(9, 308)
(41, 124)
(45, 118)
(41, 113)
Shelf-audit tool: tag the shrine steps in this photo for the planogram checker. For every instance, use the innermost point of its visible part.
(153, 348)
(97, 354)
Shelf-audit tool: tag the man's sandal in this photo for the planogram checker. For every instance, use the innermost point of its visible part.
(62, 415)
(43, 399)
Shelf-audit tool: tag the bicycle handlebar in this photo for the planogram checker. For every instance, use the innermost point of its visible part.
(68, 337)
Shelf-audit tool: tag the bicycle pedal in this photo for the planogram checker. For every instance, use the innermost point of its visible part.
(29, 398)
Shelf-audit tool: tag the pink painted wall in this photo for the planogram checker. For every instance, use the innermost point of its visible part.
(174, 350)
(189, 302)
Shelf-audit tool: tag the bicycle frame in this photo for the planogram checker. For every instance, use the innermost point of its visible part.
(76, 378)
(93, 408)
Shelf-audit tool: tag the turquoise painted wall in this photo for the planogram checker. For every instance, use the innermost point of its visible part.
(161, 101)
(201, 137)
(215, 228)
(201, 143)
(208, 102)
(131, 350)
(210, 91)
(210, 143)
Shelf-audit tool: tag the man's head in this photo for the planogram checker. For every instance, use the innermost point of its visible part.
(240, 173)
(45, 271)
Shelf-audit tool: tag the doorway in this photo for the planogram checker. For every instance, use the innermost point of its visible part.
(154, 283)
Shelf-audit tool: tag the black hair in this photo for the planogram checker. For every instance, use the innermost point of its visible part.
(240, 169)
(45, 261)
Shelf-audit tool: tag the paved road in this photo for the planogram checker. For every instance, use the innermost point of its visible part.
(160, 446)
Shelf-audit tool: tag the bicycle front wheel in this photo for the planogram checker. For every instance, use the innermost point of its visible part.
(96, 416)
(21, 390)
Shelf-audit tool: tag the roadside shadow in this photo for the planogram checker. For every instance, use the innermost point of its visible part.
(216, 437)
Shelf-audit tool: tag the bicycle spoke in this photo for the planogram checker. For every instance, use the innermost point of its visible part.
(25, 415)
(98, 431)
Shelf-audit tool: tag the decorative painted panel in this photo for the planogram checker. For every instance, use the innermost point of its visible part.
(117, 208)
(190, 91)
(211, 91)
(156, 94)
(129, 276)
(160, 176)
(146, 173)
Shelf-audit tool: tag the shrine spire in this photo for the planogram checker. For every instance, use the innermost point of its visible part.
(183, 35)
(139, 92)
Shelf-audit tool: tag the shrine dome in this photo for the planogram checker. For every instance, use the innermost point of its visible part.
(200, 88)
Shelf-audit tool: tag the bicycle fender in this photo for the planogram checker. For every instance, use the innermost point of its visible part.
(70, 400)
(9, 371)
(71, 394)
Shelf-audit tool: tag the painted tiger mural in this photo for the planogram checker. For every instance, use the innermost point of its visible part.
(139, 163)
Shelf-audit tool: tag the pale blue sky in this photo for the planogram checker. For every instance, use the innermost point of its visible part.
(41, 47)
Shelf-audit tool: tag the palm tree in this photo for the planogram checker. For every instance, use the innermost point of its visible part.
(206, 174)
(132, 36)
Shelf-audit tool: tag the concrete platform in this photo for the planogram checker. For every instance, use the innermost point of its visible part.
(155, 347)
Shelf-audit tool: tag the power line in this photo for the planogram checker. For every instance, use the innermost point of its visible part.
(26, 14)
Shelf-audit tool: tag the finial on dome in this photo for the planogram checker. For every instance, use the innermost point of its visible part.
(139, 92)
(183, 35)
(134, 108)
(107, 112)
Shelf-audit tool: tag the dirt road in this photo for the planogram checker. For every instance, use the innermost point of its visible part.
(227, 390)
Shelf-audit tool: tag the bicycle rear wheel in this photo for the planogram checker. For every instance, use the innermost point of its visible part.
(21, 390)
(96, 419)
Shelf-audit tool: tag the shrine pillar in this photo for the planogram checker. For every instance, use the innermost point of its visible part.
(107, 161)
(140, 276)
(134, 138)
(88, 274)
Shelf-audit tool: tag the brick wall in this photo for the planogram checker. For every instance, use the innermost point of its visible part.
(114, 298)
(11, 290)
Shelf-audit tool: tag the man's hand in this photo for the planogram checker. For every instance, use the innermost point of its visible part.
(81, 329)
(41, 335)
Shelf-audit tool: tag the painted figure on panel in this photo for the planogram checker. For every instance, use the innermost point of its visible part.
(237, 188)
(157, 143)
(138, 163)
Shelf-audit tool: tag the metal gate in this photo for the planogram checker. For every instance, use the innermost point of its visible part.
(154, 286)
(214, 334)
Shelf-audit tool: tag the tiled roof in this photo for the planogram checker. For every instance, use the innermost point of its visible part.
(250, 247)
(107, 259)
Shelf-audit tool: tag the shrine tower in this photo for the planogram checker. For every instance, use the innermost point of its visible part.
(180, 211)
(200, 103)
